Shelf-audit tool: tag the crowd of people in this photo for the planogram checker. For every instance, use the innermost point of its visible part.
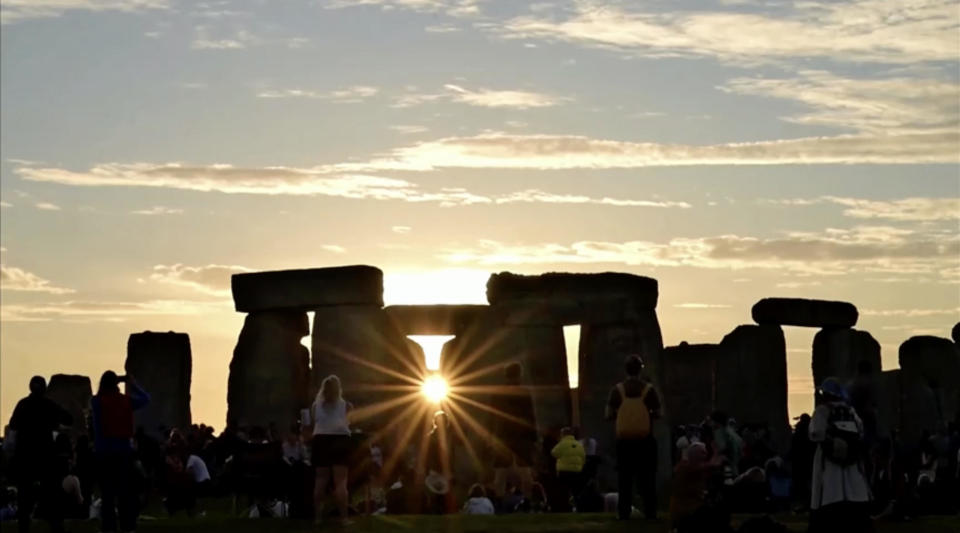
(840, 467)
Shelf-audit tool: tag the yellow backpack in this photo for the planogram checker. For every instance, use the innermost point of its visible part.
(633, 417)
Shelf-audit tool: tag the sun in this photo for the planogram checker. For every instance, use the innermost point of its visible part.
(434, 388)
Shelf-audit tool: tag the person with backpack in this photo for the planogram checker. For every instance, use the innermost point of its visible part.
(840, 494)
(634, 404)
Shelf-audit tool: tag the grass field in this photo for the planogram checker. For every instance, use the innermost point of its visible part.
(460, 523)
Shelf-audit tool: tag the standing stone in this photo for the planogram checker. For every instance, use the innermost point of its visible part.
(269, 373)
(688, 381)
(545, 367)
(506, 286)
(805, 313)
(162, 364)
(751, 379)
(73, 394)
(308, 288)
(931, 367)
(838, 351)
(888, 402)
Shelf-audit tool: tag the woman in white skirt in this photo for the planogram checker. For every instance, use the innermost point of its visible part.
(331, 445)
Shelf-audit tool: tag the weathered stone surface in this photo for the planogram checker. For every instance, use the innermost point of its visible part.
(935, 360)
(545, 363)
(688, 382)
(374, 360)
(72, 393)
(603, 349)
(838, 351)
(308, 288)
(162, 364)
(563, 311)
(801, 312)
(920, 408)
(507, 286)
(955, 333)
(751, 378)
(269, 373)
(433, 319)
(888, 402)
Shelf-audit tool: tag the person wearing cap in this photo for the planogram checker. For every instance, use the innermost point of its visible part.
(840, 494)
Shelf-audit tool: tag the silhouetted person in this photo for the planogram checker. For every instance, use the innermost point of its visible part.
(113, 444)
(801, 460)
(514, 430)
(634, 404)
(439, 467)
(331, 445)
(840, 493)
(570, 458)
(34, 420)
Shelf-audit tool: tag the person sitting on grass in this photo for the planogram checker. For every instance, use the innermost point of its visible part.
(478, 503)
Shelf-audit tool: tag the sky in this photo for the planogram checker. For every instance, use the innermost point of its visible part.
(731, 149)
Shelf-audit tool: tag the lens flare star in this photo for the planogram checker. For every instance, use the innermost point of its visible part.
(435, 388)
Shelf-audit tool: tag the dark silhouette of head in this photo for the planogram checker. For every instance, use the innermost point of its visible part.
(864, 367)
(833, 391)
(719, 418)
(513, 372)
(633, 365)
(440, 419)
(567, 432)
(38, 385)
(109, 383)
(476, 491)
(330, 389)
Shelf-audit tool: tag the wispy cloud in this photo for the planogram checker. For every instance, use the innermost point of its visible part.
(12, 11)
(301, 181)
(504, 150)
(47, 206)
(208, 279)
(5, 204)
(17, 279)
(334, 248)
(832, 252)
(349, 95)
(157, 210)
(875, 105)
(409, 129)
(401, 229)
(911, 313)
(882, 31)
(483, 97)
(903, 209)
(109, 311)
(453, 8)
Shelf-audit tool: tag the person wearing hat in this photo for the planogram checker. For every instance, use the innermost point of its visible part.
(840, 494)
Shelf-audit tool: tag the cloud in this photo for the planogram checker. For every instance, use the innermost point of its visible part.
(47, 206)
(453, 8)
(208, 279)
(157, 210)
(409, 129)
(911, 313)
(878, 106)
(108, 311)
(482, 97)
(832, 252)
(6, 204)
(441, 28)
(349, 95)
(298, 181)
(916, 209)
(334, 248)
(881, 31)
(12, 11)
(17, 279)
(546, 152)
(538, 196)
(401, 229)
